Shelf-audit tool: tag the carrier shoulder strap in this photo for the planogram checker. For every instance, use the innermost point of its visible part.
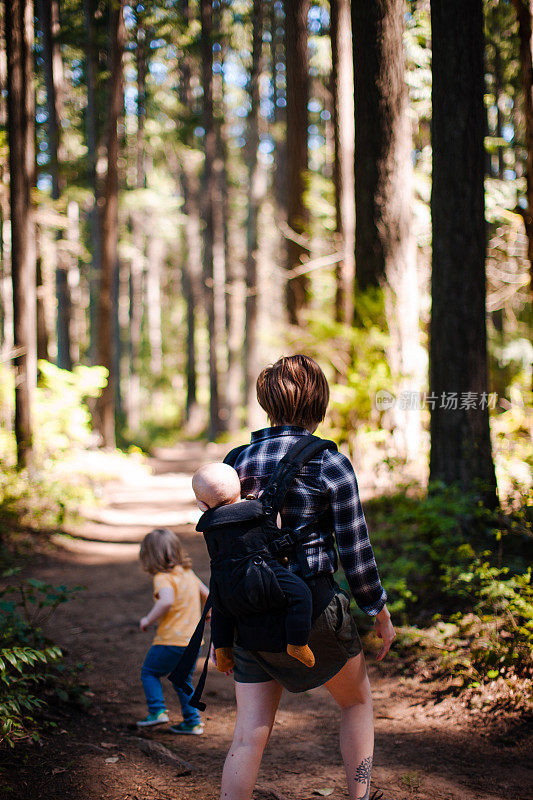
(183, 666)
(290, 465)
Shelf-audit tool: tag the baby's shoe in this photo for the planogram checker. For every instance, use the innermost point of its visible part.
(303, 653)
(157, 718)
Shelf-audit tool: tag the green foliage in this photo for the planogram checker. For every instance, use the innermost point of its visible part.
(42, 497)
(32, 672)
(358, 354)
(62, 418)
(459, 573)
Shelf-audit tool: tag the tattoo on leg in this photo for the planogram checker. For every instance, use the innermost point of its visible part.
(362, 775)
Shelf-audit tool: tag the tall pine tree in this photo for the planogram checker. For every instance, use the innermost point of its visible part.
(460, 437)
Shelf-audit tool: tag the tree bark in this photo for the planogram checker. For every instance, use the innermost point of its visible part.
(42, 328)
(524, 11)
(279, 113)
(220, 224)
(53, 73)
(137, 217)
(192, 241)
(208, 211)
(133, 403)
(385, 248)
(20, 112)
(91, 126)
(460, 438)
(343, 167)
(296, 12)
(498, 99)
(106, 316)
(6, 289)
(156, 258)
(255, 193)
(140, 58)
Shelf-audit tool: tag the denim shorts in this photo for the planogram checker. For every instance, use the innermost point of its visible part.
(333, 639)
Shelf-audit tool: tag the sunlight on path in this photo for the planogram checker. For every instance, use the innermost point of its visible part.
(141, 501)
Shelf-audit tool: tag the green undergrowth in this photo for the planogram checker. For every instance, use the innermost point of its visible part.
(67, 472)
(33, 674)
(68, 469)
(458, 576)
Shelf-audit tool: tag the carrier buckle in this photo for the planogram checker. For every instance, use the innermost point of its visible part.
(281, 544)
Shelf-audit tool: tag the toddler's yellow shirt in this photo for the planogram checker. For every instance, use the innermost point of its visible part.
(177, 626)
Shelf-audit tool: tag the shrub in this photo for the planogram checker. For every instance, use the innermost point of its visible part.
(458, 580)
(32, 669)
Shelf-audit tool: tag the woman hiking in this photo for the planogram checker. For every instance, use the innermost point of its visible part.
(294, 393)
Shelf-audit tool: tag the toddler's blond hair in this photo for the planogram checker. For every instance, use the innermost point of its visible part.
(161, 551)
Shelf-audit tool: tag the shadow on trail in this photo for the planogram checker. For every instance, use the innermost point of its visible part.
(420, 754)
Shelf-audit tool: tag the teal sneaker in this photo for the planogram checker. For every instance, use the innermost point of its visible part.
(188, 729)
(153, 719)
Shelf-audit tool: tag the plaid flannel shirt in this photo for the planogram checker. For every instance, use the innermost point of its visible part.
(327, 481)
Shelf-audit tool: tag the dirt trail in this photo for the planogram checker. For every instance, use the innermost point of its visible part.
(423, 750)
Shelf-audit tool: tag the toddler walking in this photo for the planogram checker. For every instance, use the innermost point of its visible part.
(179, 596)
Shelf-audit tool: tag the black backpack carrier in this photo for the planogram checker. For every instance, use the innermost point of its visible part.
(244, 545)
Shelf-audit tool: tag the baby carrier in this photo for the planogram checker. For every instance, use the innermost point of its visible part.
(245, 546)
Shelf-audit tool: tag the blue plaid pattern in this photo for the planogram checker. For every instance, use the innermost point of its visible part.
(326, 482)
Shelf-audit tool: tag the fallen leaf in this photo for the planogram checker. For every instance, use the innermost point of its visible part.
(112, 760)
(324, 792)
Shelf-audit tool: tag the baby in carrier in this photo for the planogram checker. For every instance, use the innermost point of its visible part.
(245, 578)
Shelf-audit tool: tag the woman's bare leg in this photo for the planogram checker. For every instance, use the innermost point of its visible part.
(257, 704)
(351, 689)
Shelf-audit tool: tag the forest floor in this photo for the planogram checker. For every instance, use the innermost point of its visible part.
(425, 749)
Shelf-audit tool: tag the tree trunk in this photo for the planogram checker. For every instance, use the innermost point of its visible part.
(77, 318)
(192, 281)
(19, 41)
(210, 190)
(42, 328)
(220, 220)
(524, 11)
(255, 191)
(106, 402)
(279, 115)
(6, 287)
(385, 248)
(498, 90)
(53, 72)
(234, 305)
(91, 125)
(133, 409)
(156, 257)
(343, 168)
(140, 58)
(192, 243)
(296, 12)
(137, 217)
(460, 437)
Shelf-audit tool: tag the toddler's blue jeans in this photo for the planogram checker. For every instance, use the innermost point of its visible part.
(159, 661)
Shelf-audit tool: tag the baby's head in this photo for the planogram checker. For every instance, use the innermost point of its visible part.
(216, 485)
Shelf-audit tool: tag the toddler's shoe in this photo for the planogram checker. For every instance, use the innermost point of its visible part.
(153, 719)
(188, 729)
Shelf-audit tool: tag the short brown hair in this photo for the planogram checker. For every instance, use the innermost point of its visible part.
(161, 551)
(293, 391)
